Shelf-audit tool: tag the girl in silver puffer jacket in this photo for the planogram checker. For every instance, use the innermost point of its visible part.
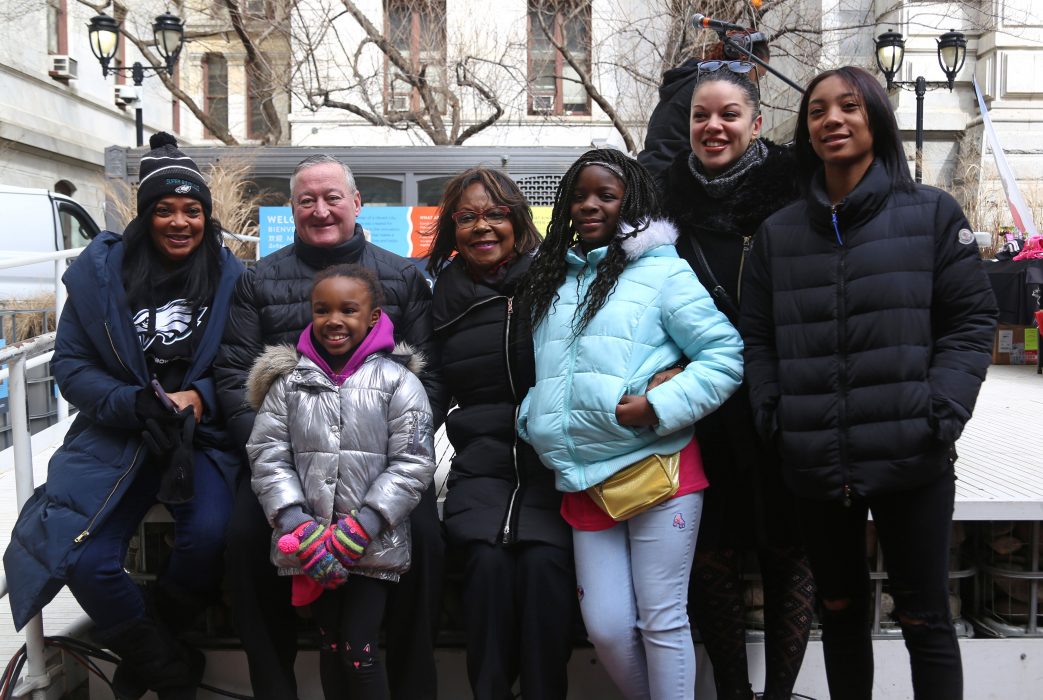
(341, 451)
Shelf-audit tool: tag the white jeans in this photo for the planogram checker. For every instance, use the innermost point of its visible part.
(633, 588)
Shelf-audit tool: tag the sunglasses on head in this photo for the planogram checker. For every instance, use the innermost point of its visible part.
(733, 66)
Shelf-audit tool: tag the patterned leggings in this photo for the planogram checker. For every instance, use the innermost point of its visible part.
(716, 607)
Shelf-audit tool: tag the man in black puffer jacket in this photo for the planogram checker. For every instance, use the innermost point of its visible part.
(272, 306)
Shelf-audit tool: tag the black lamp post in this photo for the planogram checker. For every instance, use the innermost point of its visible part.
(890, 50)
(169, 34)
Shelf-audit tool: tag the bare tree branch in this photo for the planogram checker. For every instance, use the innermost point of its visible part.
(585, 80)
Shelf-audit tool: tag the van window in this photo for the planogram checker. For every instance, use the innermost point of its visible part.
(77, 227)
(429, 191)
(377, 190)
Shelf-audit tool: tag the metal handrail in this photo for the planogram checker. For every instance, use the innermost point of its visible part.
(9, 259)
(17, 357)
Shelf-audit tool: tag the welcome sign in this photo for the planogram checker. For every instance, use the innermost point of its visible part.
(401, 230)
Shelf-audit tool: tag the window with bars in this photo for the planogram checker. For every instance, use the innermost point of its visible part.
(417, 29)
(554, 85)
(215, 88)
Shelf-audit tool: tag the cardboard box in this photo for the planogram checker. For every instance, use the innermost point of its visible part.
(1015, 345)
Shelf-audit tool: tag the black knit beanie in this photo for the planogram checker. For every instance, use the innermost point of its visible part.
(165, 170)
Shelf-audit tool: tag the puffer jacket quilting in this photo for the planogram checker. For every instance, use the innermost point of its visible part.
(657, 313)
(864, 359)
(271, 306)
(332, 450)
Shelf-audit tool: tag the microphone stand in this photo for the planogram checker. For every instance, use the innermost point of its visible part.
(729, 42)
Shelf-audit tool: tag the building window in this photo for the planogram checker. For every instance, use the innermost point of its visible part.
(57, 27)
(263, 9)
(258, 91)
(417, 29)
(215, 87)
(554, 85)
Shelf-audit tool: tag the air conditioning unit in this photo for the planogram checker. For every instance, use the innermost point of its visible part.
(63, 68)
(543, 104)
(125, 94)
(400, 102)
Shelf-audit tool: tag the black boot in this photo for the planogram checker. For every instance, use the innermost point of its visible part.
(151, 657)
(179, 610)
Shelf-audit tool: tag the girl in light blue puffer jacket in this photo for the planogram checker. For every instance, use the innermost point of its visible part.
(613, 305)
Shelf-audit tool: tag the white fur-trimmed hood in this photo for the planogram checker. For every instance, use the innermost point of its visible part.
(659, 232)
(277, 360)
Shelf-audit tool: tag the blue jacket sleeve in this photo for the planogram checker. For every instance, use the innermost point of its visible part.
(85, 382)
(208, 393)
(711, 344)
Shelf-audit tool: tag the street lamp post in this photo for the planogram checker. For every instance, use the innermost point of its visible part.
(169, 34)
(890, 51)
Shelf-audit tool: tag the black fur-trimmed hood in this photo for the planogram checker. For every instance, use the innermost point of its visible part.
(765, 189)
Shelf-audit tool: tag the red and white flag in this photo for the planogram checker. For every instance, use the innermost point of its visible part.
(1019, 209)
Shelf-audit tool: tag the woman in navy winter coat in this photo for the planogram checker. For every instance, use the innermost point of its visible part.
(868, 323)
(150, 305)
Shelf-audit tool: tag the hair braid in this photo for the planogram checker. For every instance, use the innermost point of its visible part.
(640, 204)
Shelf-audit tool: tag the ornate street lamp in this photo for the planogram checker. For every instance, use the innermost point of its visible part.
(890, 52)
(169, 34)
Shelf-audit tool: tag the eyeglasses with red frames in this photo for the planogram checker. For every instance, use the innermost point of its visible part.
(466, 218)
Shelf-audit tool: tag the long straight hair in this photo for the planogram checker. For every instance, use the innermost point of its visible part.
(144, 269)
(887, 139)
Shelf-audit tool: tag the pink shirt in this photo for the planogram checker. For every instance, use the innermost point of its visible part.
(582, 513)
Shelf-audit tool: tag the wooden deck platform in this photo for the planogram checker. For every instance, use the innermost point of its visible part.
(1000, 466)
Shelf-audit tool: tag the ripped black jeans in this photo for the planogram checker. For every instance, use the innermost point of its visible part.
(913, 528)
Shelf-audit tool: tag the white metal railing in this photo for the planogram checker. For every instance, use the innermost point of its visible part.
(16, 357)
(9, 259)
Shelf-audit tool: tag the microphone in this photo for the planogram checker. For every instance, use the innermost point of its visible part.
(718, 25)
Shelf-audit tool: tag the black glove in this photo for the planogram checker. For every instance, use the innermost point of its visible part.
(177, 483)
(147, 406)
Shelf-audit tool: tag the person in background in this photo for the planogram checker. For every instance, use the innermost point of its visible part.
(868, 323)
(339, 497)
(135, 345)
(612, 305)
(718, 192)
(501, 511)
(271, 306)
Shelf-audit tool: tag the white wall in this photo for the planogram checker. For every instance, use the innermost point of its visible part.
(50, 130)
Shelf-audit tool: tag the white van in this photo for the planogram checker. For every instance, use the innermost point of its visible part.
(38, 221)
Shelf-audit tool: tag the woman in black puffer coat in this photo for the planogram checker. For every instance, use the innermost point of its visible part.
(868, 322)
(718, 192)
(502, 510)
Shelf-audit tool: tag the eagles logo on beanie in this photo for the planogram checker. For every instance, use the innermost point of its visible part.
(165, 170)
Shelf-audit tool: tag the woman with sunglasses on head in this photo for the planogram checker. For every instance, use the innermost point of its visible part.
(502, 511)
(667, 133)
(868, 323)
(718, 192)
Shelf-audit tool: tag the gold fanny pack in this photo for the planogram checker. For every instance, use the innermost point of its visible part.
(642, 485)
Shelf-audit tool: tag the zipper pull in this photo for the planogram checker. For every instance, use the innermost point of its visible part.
(836, 226)
(507, 534)
(747, 243)
(847, 496)
(510, 306)
(82, 536)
